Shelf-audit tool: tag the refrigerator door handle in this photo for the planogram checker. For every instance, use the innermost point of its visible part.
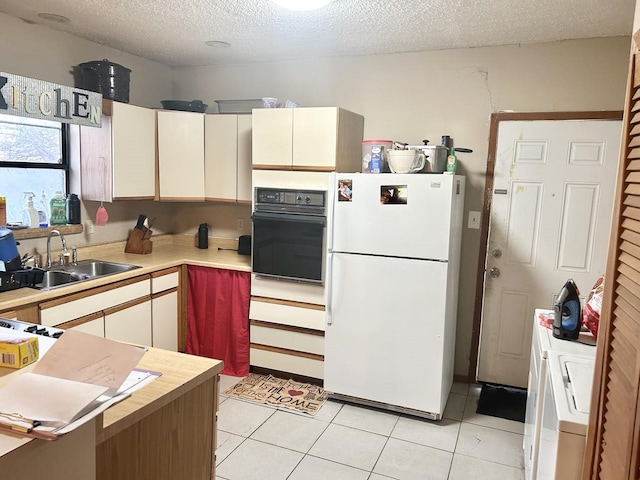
(329, 287)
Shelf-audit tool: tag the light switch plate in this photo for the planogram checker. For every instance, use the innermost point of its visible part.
(474, 220)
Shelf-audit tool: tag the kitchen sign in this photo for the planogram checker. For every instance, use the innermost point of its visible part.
(29, 97)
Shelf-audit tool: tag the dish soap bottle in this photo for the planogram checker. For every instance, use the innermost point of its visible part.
(58, 209)
(30, 214)
(43, 211)
(452, 162)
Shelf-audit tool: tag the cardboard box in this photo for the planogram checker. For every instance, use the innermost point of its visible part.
(18, 352)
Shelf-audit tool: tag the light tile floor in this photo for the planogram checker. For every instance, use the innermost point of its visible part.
(347, 442)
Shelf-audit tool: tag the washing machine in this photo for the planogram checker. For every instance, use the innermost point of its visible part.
(539, 390)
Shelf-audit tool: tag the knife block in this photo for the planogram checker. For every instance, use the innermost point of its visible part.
(138, 241)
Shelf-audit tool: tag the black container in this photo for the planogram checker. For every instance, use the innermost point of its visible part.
(203, 236)
(244, 244)
(107, 78)
(73, 209)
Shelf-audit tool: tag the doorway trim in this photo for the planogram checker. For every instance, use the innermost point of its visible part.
(496, 118)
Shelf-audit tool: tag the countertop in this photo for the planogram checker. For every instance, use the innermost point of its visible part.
(168, 251)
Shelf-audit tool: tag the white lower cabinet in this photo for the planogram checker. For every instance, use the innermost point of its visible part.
(121, 311)
(287, 336)
(130, 322)
(92, 327)
(164, 309)
(142, 310)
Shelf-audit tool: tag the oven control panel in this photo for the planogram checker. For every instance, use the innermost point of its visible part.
(290, 197)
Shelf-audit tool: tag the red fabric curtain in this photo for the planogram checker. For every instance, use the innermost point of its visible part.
(218, 317)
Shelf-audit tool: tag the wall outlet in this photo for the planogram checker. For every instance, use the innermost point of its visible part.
(474, 220)
(90, 227)
(240, 224)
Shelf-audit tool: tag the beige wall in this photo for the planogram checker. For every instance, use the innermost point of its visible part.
(413, 96)
(407, 97)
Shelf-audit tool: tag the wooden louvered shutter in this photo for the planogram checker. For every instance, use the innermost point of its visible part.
(613, 443)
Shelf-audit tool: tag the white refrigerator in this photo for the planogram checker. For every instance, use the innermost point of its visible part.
(392, 265)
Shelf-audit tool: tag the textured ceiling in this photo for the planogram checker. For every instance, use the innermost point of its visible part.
(173, 32)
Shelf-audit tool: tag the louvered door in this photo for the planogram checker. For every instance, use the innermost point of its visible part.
(613, 441)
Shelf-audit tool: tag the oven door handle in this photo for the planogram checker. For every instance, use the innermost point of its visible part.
(289, 217)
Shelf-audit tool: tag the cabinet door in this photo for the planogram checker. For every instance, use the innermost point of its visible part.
(221, 157)
(164, 312)
(315, 136)
(93, 327)
(244, 192)
(181, 156)
(272, 142)
(130, 322)
(134, 151)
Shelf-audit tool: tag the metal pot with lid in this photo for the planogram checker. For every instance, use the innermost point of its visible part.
(107, 78)
(9, 255)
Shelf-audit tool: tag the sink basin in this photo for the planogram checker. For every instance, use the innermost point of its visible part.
(53, 278)
(98, 268)
(85, 270)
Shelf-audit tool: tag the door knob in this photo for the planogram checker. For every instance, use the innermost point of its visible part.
(494, 272)
(497, 253)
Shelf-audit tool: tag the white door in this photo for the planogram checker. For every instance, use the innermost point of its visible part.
(550, 220)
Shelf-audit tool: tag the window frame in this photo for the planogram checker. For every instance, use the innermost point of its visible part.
(64, 161)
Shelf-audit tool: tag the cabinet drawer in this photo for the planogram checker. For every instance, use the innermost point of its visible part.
(63, 312)
(287, 338)
(287, 313)
(284, 362)
(164, 282)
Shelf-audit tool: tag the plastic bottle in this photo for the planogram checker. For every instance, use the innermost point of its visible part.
(452, 162)
(3, 211)
(43, 211)
(58, 209)
(73, 209)
(30, 214)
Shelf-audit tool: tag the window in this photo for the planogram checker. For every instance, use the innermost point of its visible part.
(33, 158)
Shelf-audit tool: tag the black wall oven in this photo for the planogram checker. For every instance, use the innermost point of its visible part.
(289, 234)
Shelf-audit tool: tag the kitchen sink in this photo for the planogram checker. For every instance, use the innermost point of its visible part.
(98, 268)
(60, 276)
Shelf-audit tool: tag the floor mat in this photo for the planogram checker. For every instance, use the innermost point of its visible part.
(503, 402)
(277, 392)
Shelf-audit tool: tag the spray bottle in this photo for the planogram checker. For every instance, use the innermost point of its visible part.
(43, 211)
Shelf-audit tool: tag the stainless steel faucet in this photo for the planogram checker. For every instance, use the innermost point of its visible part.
(64, 246)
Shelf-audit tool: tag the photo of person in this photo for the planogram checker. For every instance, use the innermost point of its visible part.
(344, 190)
(393, 194)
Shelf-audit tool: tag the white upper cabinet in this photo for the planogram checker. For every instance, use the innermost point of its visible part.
(180, 156)
(314, 139)
(118, 160)
(272, 137)
(228, 158)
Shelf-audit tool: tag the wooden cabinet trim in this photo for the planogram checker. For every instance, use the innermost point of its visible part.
(79, 321)
(289, 303)
(92, 291)
(286, 351)
(166, 271)
(124, 306)
(288, 328)
(164, 292)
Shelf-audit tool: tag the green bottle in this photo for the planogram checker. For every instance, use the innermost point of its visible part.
(58, 209)
(452, 162)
